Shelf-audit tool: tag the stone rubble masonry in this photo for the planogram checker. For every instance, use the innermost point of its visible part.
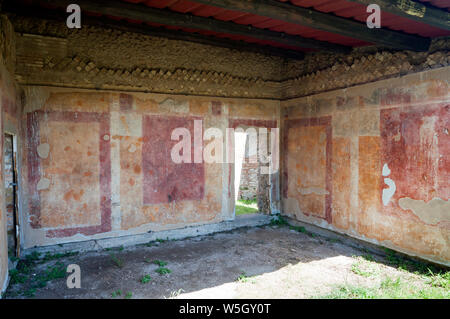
(248, 187)
(48, 55)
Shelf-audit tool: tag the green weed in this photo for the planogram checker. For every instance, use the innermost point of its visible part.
(146, 279)
(163, 271)
(160, 263)
(117, 261)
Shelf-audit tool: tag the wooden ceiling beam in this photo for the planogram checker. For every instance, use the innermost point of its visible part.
(412, 10)
(140, 12)
(323, 21)
(125, 26)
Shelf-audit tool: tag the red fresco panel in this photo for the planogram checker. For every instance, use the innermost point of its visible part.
(166, 181)
(415, 146)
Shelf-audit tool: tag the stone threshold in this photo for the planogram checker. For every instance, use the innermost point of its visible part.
(253, 220)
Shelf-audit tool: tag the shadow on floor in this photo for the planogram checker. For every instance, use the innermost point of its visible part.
(261, 262)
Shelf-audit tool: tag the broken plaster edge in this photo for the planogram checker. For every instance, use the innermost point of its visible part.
(138, 239)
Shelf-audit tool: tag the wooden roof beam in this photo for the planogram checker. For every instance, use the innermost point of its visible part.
(144, 13)
(412, 10)
(323, 21)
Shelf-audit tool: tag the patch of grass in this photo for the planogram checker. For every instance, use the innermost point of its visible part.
(368, 257)
(244, 207)
(175, 294)
(128, 295)
(49, 256)
(34, 256)
(364, 268)
(146, 279)
(160, 263)
(163, 271)
(117, 261)
(278, 220)
(244, 278)
(56, 271)
(159, 240)
(350, 292)
(441, 279)
(253, 202)
(417, 267)
(17, 277)
(12, 255)
(29, 292)
(389, 289)
(116, 293)
(23, 274)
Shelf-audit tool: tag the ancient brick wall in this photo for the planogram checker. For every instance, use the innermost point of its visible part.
(372, 161)
(248, 187)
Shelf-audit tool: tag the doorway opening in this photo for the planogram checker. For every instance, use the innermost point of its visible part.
(11, 191)
(251, 188)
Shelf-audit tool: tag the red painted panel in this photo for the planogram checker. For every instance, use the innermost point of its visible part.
(163, 180)
(416, 148)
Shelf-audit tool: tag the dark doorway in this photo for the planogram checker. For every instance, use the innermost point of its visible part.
(11, 196)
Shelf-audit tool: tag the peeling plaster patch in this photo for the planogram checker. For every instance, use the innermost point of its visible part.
(170, 105)
(388, 192)
(313, 190)
(132, 148)
(44, 183)
(433, 212)
(386, 170)
(43, 150)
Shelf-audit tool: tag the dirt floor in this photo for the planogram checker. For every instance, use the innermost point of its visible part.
(264, 262)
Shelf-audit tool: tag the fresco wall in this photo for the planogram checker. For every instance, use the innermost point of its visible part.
(9, 121)
(373, 162)
(98, 164)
